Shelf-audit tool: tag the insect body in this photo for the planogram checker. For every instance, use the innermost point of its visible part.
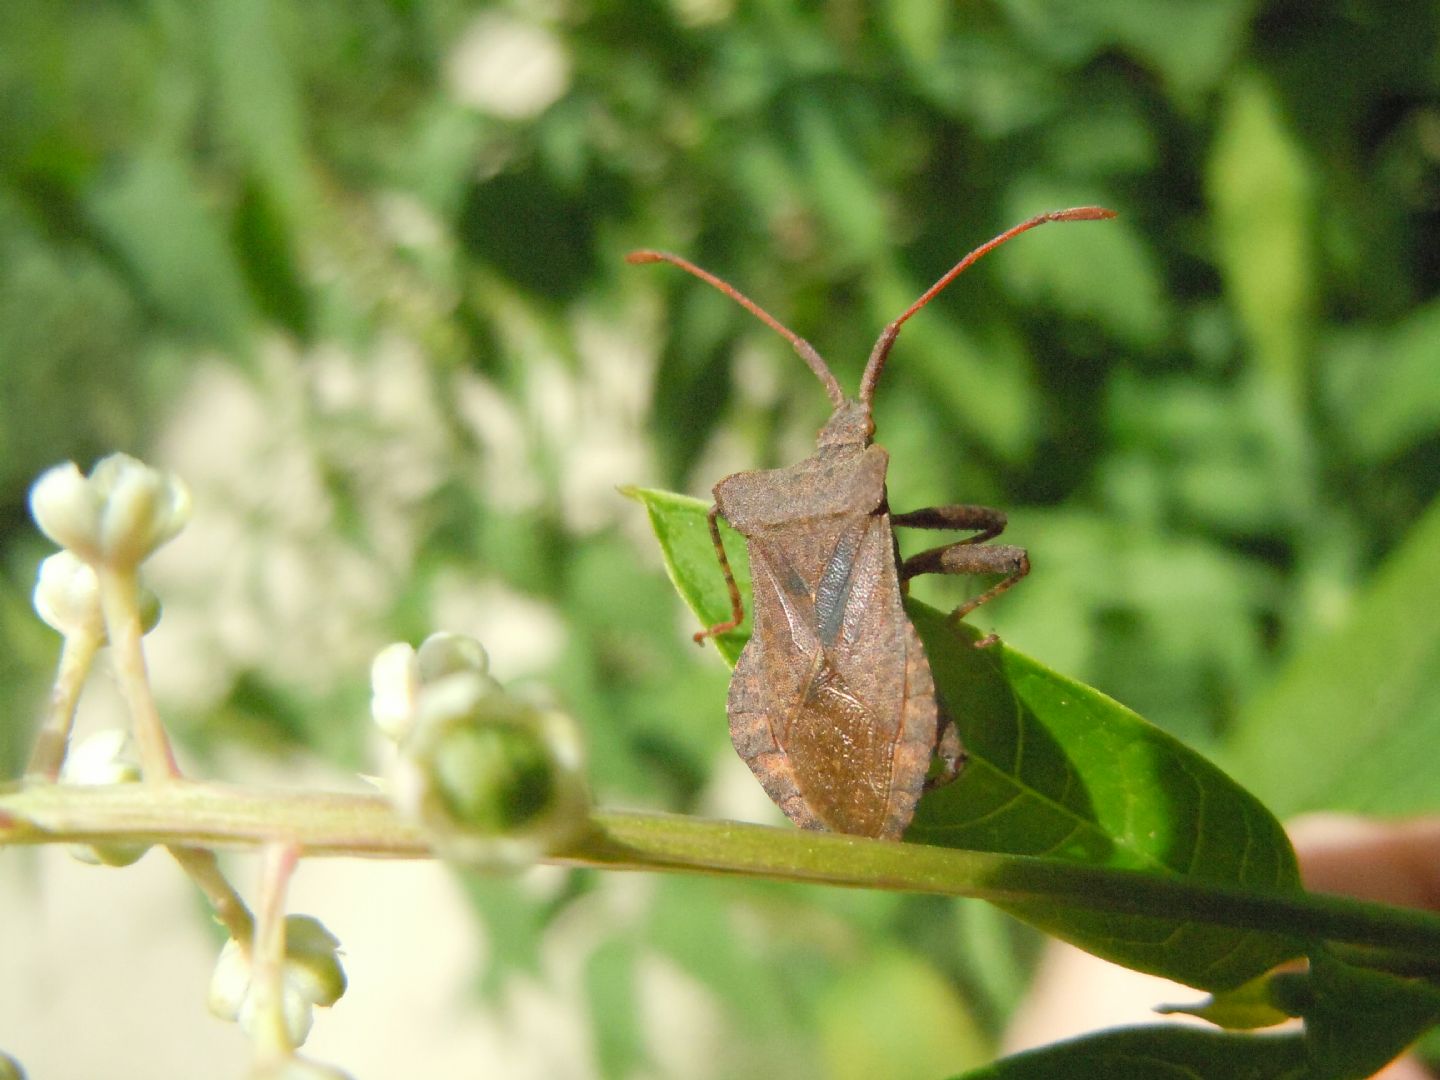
(832, 704)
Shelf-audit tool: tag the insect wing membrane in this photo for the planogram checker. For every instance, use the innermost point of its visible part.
(819, 707)
(843, 727)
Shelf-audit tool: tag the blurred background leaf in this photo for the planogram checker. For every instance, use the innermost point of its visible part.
(356, 271)
(1341, 725)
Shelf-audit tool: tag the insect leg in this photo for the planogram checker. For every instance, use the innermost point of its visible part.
(737, 609)
(986, 521)
(965, 556)
(948, 750)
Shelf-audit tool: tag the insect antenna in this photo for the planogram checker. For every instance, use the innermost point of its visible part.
(804, 348)
(881, 351)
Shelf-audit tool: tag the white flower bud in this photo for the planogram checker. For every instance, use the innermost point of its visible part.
(497, 781)
(398, 673)
(394, 689)
(67, 598)
(230, 981)
(312, 961)
(118, 515)
(444, 654)
(298, 1013)
(104, 758)
(66, 509)
(312, 976)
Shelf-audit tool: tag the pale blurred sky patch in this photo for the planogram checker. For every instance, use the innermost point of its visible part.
(697, 13)
(509, 67)
(261, 578)
(732, 794)
(409, 222)
(685, 1028)
(508, 478)
(523, 635)
(595, 421)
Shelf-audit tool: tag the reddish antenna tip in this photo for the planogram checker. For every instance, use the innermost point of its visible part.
(644, 256)
(876, 363)
(1082, 213)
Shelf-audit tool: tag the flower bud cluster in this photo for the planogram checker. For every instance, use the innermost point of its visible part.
(498, 781)
(107, 523)
(116, 516)
(312, 976)
(102, 759)
(67, 598)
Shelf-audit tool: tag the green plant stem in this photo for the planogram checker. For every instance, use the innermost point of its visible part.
(192, 815)
(120, 601)
(202, 867)
(76, 656)
(271, 1035)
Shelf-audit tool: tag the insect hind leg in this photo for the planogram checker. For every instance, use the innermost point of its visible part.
(949, 752)
(968, 556)
(986, 522)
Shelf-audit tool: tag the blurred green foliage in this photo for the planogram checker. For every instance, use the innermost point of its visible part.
(392, 231)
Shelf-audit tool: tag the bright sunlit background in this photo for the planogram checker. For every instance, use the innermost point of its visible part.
(355, 271)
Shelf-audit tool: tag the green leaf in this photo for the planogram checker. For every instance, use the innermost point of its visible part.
(844, 189)
(1057, 769)
(614, 1007)
(1188, 42)
(690, 560)
(985, 76)
(1356, 1020)
(515, 923)
(265, 249)
(1244, 1008)
(1101, 271)
(1346, 721)
(258, 114)
(155, 217)
(1383, 386)
(1359, 1019)
(978, 376)
(1157, 1052)
(1259, 186)
(927, 1029)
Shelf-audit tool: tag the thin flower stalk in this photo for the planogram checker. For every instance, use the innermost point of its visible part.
(273, 1042)
(77, 654)
(119, 599)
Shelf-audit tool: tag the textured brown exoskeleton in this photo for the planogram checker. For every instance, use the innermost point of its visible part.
(832, 704)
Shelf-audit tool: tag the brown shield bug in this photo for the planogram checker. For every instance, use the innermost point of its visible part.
(832, 704)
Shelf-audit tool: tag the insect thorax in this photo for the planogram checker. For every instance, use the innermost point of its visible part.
(850, 425)
(834, 480)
